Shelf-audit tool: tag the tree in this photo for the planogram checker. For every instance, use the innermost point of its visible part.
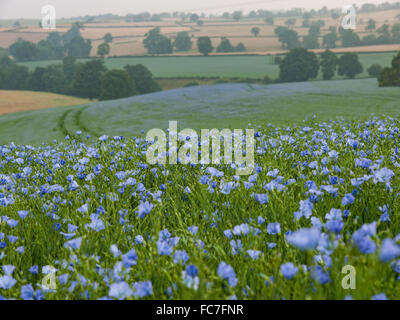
(194, 18)
(87, 79)
(371, 25)
(53, 79)
(390, 77)
(269, 21)
(108, 38)
(156, 43)
(225, 46)
(46, 50)
(237, 15)
(290, 22)
(183, 42)
(23, 50)
(289, 38)
(374, 70)
(335, 15)
(329, 40)
(240, 47)
(200, 23)
(311, 41)
(396, 33)
(255, 31)
(299, 65)
(13, 76)
(305, 23)
(143, 79)
(349, 65)
(79, 47)
(57, 44)
(328, 63)
(71, 34)
(349, 38)
(116, 84)
(204, 45)
(103, 49)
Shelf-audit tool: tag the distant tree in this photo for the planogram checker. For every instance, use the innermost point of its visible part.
(143, 79)
(13, 76)
(314, 29)
(299, 65)
(108, 38)
(384, 34)
(226, 15)
(305, 23)
(335, 15)
(45, 50)
(23, 50)
(183, 41)
(87, 79)
(255, 31)
(17, 24)
(396, 33)
(289, 38)
(200, 23)
(329, 62)
(290, 22)
(71, 34)
(237, 15)
(269, 20)
(103, 49)
(375, 70)
(204, 45)
(307, 15)
(349, 65)
(240, 47)
(277, 60)
(390, 77)
(4, 53)
(311, 41)
(79, 47)
(371, 25)
(116, 84)
(53, 79)
(225, 46)
(329, 40)
(194, 18)
(349, 38)
(156, 43)
(398, 16)
(57, 44)
(69, 68)
(36, 81)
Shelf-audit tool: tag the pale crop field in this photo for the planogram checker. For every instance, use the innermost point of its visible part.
(17, 101)
(128, 36)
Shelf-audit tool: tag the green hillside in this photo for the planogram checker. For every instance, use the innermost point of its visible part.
(221, 106)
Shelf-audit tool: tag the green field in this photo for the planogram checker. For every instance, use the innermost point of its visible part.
(224, 105)
(216, 66)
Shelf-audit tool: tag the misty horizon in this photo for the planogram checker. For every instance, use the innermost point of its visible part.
(28, 9)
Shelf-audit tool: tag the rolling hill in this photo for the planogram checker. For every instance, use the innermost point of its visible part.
(220, 106)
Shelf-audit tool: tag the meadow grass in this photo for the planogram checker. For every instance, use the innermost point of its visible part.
(219, 106)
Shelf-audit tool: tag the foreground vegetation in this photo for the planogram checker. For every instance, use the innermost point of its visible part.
(96, 222)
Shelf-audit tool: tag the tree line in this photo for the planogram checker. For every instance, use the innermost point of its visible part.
(290, 39)
(90, 80)
(302, 65)
(157, 43)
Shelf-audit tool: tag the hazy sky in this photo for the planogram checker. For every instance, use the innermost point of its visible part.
(11, 9)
